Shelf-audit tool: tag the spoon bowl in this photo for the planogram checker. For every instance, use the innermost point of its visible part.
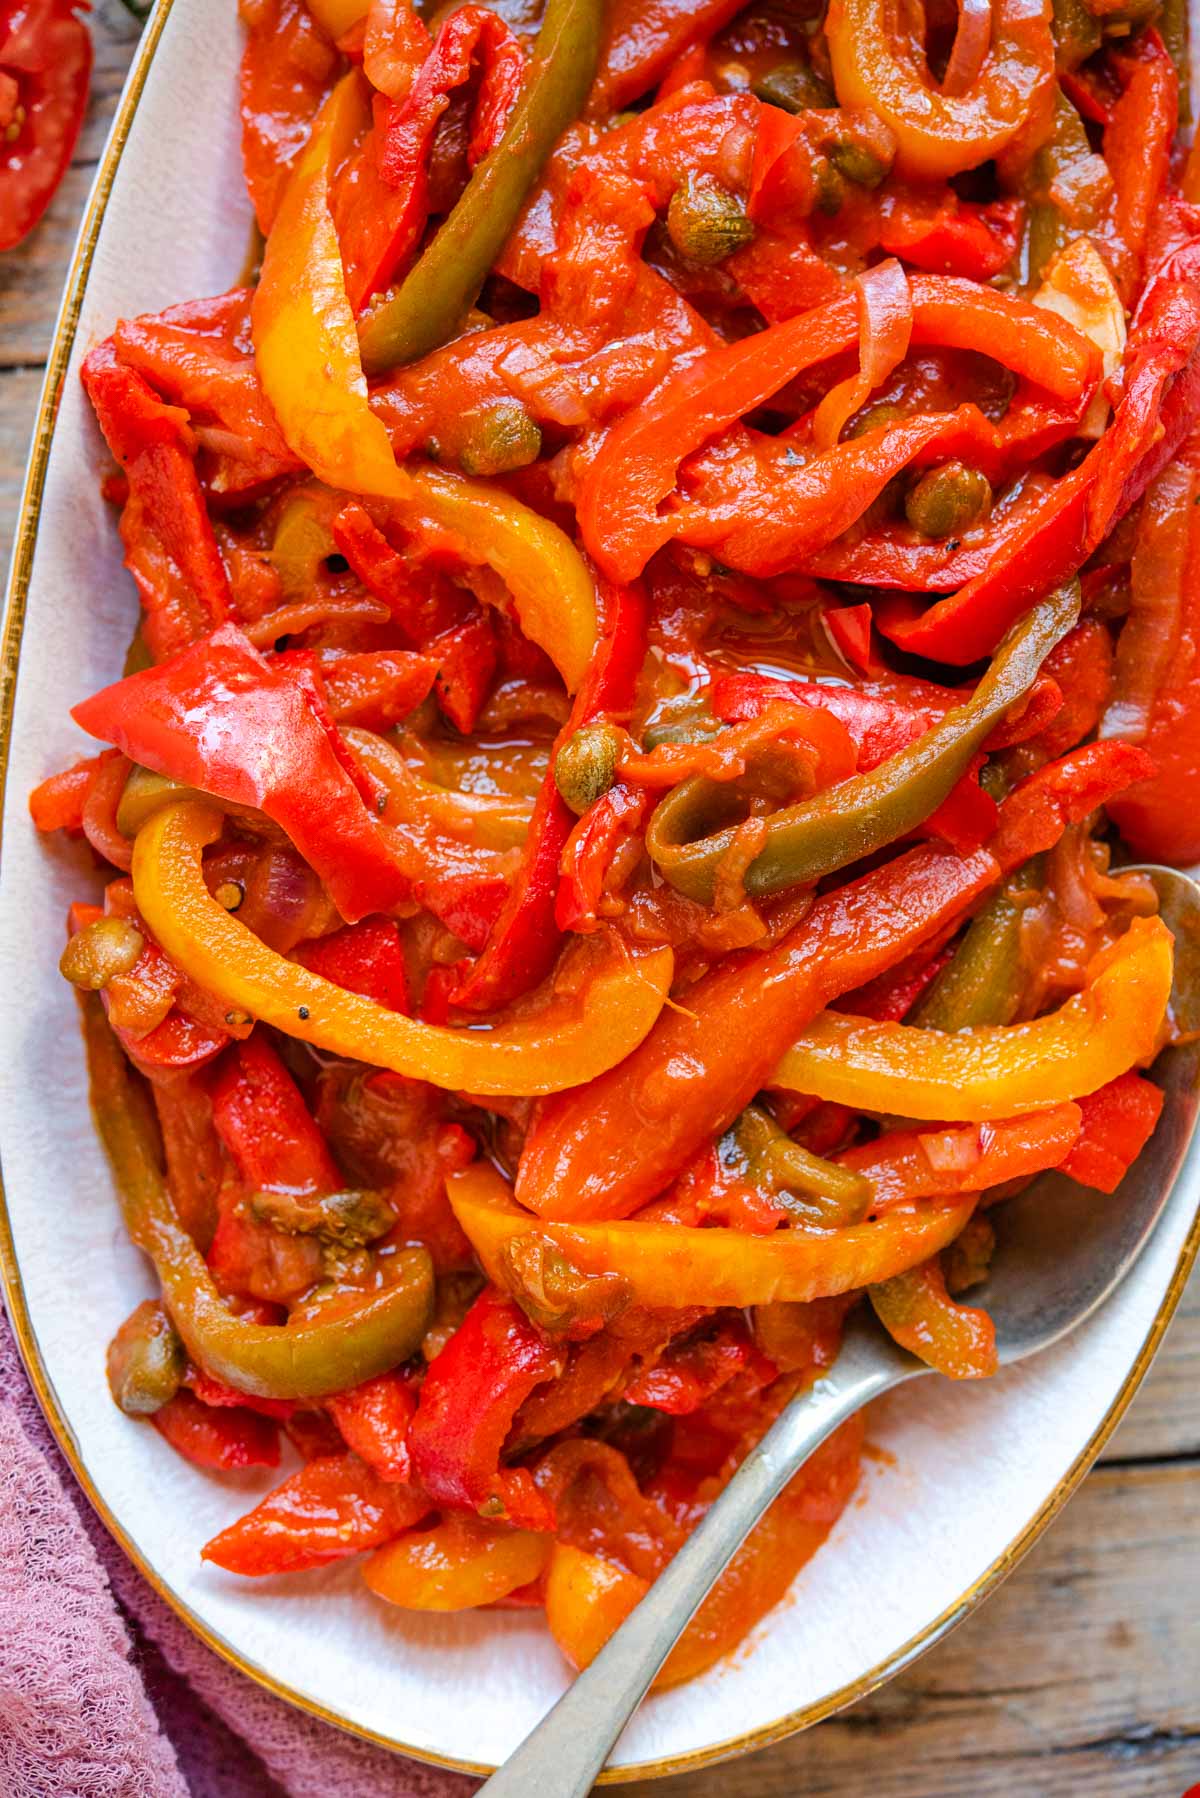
(1061, 1251)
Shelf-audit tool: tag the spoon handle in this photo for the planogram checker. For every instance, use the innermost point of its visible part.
(561, 1757)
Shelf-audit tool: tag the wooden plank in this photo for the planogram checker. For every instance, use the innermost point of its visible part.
(1078, 1676)
(1164, 1418)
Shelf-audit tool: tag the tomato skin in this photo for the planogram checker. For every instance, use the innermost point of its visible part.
(45, 71)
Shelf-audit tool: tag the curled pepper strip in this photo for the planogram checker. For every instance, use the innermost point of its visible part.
(831, 830)
(437, 294)
(670, 1265)
(995, 1071)
(281, 1361)
(305, 342)
(939, 133)
(885, 321)
(917, 1311)
(564, 1043)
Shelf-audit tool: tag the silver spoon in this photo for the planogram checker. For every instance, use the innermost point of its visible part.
(1060, 1252)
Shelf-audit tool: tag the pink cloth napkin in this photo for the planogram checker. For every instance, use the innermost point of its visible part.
(104, 1693)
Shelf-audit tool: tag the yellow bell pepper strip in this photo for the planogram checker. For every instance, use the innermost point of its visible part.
(552, 592)
(609, 1150)
(279, 1361)
(492, 820)
(568, 1040)
(863, 814)
(880, 64)
(305, 342)
(671, 1265)
(917, 1312)
(437, 294)
(456, 1564)
(996, 1071)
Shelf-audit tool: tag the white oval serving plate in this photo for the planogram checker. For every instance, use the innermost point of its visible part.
(971, 1475)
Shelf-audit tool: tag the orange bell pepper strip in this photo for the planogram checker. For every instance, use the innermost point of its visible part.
(569, 1040)
(878, 63)
(917, 1312)
(305, 340)
(996, 1071)
(456, 1565)
(606, 1151)
(588, 1597)
(672, 1265)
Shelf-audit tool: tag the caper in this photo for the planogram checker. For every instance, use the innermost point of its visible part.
(146, 1361)
(858, 162)
(794, 86)
(830, 188)
(101, 949)
(705, 221)
(500, 438)
(586, 765)
(948, 500)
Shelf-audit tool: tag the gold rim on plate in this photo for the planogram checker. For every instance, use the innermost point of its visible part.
(10, 1277)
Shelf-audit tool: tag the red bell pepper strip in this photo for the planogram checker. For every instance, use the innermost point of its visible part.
(1036, 813)
(381, 196)
(471, 1394)
(1138, 140)
(261, 1117)
(333, 1507)
(288, 67)
(45, 67)
(376, 688)
(374, 1420)
(1159, 402)
(57, 802)
(367, 958)
(948, 236)
(609, 1148)
(850, 629)
(890, 997)
(227, 1439)
(689, 1372)
(616, 816)
(906, 1165)
(622, 492)
(219, 717)
(170, 548)
(1118, 1122)
(642, 42)
(525, 941)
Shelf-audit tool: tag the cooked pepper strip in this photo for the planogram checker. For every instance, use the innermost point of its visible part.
(918, 1313)
(569, 1040)
(471, 1394)
(982, 982)
(607, 1151)
(879, 62)
(863, 814)
(220, 718)
(996, 1071)
(305, 343)
(332, 1507)
(670, 1265)
(906, 1165)
(303, 1360)
(437, 294)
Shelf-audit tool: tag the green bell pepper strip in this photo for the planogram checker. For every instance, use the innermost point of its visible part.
(982, 983)
(286, 1361)
(838, 1194)
(804, 842)
(439, 291)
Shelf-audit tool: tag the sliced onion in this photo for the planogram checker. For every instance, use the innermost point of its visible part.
(885, 320)
(972, 42)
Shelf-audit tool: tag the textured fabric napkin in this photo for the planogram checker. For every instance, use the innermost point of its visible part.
(104, 1693)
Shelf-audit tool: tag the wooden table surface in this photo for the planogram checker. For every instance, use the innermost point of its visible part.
(1080, 1678)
